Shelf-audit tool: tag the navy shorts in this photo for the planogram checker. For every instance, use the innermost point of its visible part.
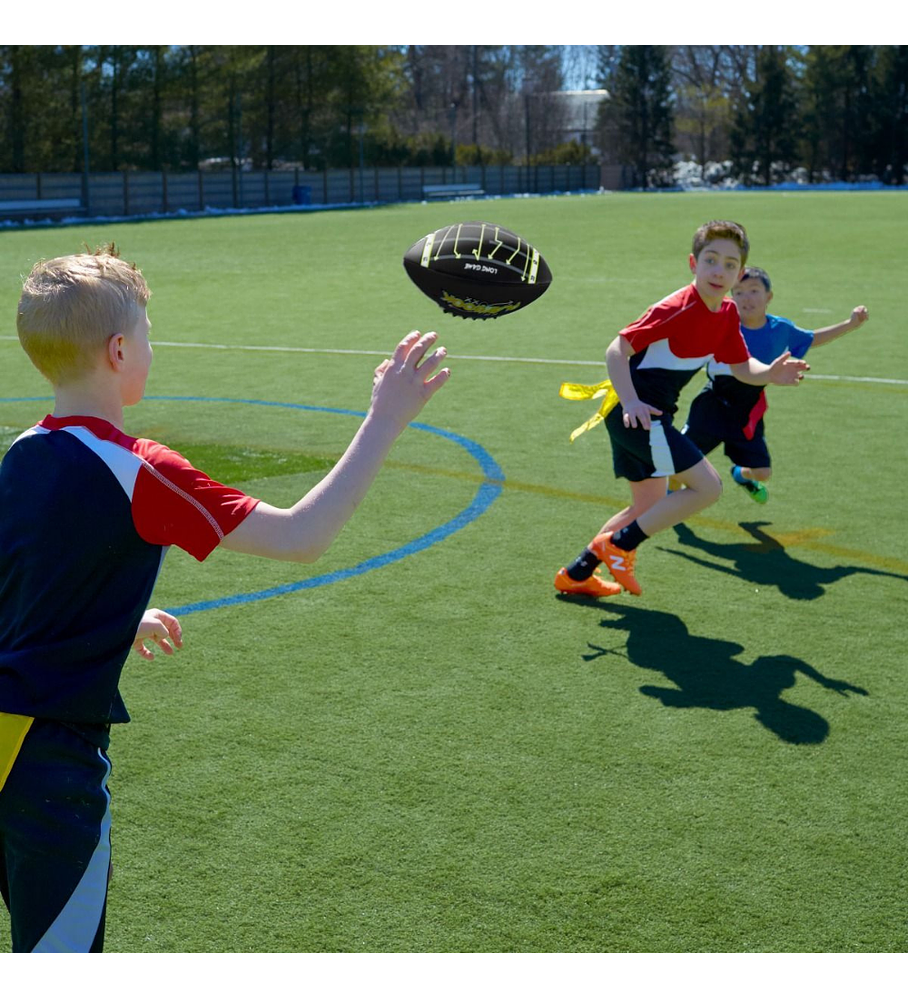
(660, 451)
(711, 422)
(55, 842)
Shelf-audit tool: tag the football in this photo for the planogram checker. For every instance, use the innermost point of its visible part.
(477, 270)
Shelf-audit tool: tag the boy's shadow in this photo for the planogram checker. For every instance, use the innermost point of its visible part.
(767, 563)
(706, 675)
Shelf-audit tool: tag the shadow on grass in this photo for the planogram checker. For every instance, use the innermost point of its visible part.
(767, 563)
(704, 673)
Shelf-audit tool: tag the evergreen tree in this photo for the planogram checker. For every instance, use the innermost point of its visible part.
(843, 113)
(890, 115)
(765, 118)
(638, 116)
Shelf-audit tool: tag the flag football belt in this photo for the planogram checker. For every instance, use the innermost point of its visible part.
(756, 414)
(13, 729)
(603, 390)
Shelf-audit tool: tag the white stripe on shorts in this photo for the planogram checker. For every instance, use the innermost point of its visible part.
(660, 451)
(76, 926)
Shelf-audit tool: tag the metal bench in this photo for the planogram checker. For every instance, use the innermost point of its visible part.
(452, 190)
(41, 208)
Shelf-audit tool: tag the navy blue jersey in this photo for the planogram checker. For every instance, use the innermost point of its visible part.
(86, 516)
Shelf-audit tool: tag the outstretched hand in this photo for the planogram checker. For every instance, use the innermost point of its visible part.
(787, 370)
(403, 384)
(161, 628)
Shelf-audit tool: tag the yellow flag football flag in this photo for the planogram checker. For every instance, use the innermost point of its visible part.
(13, 729)
(602, 390)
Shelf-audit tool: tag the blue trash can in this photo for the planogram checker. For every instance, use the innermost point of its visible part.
(302, 194)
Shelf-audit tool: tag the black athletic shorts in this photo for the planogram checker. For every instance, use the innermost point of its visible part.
(55, 842)
(660, 451)
(712, 422)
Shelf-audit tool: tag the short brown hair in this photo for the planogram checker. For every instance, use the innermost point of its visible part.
(71, 306)
(721, 229)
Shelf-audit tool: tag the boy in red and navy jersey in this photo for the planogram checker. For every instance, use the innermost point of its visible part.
(649, 362)
(88, 513)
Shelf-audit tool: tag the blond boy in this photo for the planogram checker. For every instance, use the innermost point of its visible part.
(88, 515)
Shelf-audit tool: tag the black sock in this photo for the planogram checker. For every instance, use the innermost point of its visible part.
(629, 537)
(583, 566)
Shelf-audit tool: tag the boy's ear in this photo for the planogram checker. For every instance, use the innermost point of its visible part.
(692, 263)
(115, 351)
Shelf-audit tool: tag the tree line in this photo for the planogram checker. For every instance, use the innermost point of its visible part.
(759, 114)
(751, 113)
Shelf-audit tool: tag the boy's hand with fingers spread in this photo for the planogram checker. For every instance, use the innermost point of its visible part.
(403, 384)
(787, 370)
(161, 628)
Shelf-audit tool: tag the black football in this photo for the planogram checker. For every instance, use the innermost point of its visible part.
(477, 270)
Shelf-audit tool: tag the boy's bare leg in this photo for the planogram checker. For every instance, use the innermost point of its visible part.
(651, 510)
(702, 488)
(756, 474)
(617, 548)
(644, 496)
(581, 576)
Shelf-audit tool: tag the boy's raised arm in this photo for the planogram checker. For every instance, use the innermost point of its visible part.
(857, 318)
(402, 386)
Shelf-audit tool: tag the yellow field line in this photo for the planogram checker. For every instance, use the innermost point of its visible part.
(810, 538)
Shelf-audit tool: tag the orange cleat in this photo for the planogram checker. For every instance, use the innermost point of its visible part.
(595, 585)
(619, 562)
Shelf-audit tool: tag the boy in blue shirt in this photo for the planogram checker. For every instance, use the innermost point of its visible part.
(88, 513)
(728, 411)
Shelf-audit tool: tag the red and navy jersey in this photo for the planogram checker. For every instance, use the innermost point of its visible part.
(86, 516)
(674, 338)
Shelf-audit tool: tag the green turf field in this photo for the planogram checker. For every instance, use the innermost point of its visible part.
(440, 754)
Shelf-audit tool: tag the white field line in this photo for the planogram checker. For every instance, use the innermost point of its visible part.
(463, 356)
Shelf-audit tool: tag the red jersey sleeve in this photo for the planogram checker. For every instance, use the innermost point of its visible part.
(732, 349)
(175, 503)
(654, 324)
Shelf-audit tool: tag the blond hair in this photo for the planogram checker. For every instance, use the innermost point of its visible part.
(71, 306)
(721, 229)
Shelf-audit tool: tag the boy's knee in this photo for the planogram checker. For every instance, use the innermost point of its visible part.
(703, 481)
(761, 474)
(712, 487)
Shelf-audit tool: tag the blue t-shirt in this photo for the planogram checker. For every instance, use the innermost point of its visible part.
(777, 336)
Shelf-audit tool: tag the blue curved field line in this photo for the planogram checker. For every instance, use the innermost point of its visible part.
(487, 493)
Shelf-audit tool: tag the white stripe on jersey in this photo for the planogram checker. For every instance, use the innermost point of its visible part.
(30, 432)
(122, 462)
(659, 354)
